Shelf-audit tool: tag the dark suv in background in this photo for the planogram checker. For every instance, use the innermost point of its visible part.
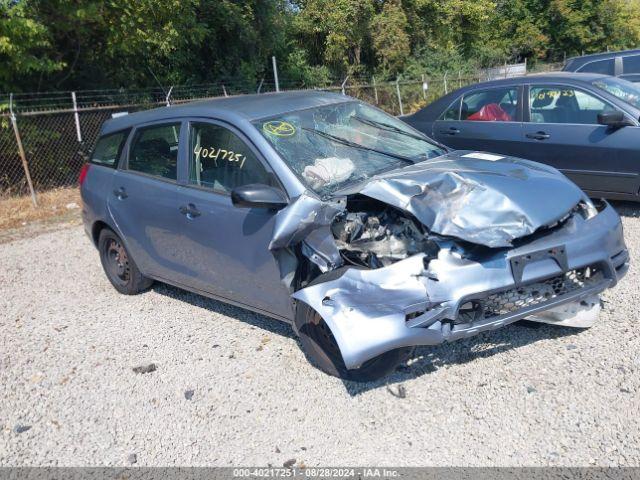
(624, 64)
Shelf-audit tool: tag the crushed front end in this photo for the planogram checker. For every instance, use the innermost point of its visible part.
(461, 290)
(437, 253)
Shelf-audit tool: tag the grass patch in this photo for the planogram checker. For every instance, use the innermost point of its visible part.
(61, 204)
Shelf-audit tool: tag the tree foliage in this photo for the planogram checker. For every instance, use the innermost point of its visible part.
(81, 44)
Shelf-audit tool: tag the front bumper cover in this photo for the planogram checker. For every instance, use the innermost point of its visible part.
(415, 302)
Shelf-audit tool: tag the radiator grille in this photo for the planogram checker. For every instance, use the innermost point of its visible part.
(518, 298)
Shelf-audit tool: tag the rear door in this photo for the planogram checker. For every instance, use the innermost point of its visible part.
(487, 119)
(225, 249)
(142, 201)
(562, 131)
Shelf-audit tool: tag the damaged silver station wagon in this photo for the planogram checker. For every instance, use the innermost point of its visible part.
(325, 212)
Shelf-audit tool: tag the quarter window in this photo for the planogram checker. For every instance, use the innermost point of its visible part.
(155, 151)
(452, 113)
(493, 105)
(220, 160)
(108, 149)
(563, 104)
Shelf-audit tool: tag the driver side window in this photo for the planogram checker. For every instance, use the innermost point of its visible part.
(564, 104)
(221, 161)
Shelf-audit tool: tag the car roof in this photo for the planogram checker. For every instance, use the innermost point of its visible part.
(578, 61)
(246, 107)
(542, 78)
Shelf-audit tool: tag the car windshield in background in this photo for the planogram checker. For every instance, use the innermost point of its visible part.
(625, 91)
(330, 147)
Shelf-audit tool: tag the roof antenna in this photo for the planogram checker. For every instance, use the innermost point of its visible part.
(167, 94)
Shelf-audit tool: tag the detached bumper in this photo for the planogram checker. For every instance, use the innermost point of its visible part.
(414, 302)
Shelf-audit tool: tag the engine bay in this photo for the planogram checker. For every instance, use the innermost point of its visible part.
(373, 235)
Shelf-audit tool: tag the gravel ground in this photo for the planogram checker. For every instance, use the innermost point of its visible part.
(232, 387)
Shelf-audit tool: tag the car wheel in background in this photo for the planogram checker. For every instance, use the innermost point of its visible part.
(118, 265)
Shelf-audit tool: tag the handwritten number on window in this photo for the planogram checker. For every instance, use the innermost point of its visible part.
(220, 154)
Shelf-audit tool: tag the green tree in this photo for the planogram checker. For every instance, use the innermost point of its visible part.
(335, 32)
(25, 47)
(575, 26)
(390, 37)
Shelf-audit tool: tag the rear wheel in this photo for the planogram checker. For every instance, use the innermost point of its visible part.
(118, 265)
(321, 349)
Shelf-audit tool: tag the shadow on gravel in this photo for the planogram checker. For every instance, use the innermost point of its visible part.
(626, 209)
(216, 306)
(427, 360)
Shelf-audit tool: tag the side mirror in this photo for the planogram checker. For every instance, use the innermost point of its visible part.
(615, 119)
(257, 195)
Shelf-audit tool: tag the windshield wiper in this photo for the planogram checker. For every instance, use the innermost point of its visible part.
(349, 143)
(389, 128)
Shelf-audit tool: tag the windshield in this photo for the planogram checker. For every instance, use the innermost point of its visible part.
(625, 91)
(330, 147)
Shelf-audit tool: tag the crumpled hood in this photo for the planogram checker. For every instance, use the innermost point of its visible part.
(487, 202)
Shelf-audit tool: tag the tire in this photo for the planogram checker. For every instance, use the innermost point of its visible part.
(322, 351)
(118, 265)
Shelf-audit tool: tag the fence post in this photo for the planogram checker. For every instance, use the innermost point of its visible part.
(424, 92)
(459, 79)
(275, 73)
(446, 89)
(344, 83)
(375, 89)
(76, 117)
(23, 157)
(399, 96)
(260, 86)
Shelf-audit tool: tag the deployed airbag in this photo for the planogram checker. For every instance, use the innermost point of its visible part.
(328, 171)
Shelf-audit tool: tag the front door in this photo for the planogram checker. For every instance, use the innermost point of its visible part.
(487, 119)
(142, 199)
(225, 248)
(563, 131)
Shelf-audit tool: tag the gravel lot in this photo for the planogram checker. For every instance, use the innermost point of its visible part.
(69, 343)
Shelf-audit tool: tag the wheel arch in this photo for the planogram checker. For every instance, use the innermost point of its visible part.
(96, 228)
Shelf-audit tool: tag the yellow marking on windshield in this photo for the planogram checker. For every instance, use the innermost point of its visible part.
(279, 128)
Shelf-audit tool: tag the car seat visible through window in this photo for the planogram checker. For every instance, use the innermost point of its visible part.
(154, 156)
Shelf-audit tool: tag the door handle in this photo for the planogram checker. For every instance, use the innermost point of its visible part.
(190, 211)
(538, 135)
(451, 131)
(120, 193)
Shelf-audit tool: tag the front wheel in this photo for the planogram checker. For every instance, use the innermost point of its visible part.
(118, 265)
(321, 349)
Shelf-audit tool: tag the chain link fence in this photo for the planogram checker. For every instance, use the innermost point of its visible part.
(58, 130)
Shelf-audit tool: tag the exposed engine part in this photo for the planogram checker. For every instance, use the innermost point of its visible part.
(378, 239)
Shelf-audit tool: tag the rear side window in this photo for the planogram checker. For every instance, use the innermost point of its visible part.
(493, 105)
(606, 67)
(451, 113)
(631, 64)
(154, 151)
(108, 149)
